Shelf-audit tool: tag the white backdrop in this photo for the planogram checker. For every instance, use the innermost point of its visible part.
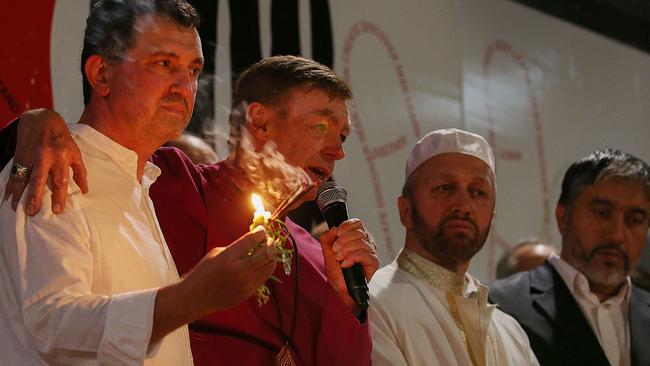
(542, 91)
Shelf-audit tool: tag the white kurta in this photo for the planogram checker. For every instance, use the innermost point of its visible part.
(79, 287)
(411, 323)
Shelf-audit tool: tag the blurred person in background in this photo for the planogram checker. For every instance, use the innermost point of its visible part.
(527, 254)
(195, 148)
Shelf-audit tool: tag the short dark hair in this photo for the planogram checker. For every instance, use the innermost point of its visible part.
(600, 165)
(109, 27)
(268, 82)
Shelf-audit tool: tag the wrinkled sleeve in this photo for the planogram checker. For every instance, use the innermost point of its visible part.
(50, 265)
(385, 345)
(343, 340)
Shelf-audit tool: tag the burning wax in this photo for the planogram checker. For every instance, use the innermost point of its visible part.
(261, 216)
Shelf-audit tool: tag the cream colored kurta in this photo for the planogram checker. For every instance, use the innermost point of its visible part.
(422, 314)
(79, 288)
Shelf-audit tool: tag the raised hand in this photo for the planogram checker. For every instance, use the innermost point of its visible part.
(344, 246)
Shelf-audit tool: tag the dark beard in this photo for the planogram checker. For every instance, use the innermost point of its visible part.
(455, 249)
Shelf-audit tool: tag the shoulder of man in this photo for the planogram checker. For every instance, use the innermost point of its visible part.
(510, 289)
(390, 285)
(176, 166)
(391, 300)
(168, 157)
(642, 294)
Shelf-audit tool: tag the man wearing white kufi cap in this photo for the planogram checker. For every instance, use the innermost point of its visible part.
(426, 309)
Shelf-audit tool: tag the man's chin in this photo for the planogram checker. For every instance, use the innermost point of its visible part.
(460, 248)
(604, 273)
(460, 239)
(311, 195)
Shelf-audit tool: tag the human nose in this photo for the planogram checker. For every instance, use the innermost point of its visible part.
(334, 148)
(184, 83)
(462, 202)
(615, 228)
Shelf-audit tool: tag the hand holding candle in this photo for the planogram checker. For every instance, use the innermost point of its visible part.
(277, 235)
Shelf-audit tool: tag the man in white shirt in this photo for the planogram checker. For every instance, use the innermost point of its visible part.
(96, 284)
(580, 308)
(426, 309)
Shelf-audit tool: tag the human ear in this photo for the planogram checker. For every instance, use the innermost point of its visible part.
(405, 211)
(257, 119)
(97, 72)
(561, 217)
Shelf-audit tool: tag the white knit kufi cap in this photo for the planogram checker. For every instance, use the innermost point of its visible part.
(449, 140)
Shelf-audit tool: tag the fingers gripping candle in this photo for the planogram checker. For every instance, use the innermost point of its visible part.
(277, 235)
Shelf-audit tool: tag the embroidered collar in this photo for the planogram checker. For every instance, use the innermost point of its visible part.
(435, 275)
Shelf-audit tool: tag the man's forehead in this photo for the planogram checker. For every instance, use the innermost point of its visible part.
(317, 101)
(160, 33)
(616, 192)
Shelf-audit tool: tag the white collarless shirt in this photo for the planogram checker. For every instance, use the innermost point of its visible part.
(609, 319)
(80, 287)
(412, 322)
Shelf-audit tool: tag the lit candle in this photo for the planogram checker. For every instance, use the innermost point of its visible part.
(261, 216)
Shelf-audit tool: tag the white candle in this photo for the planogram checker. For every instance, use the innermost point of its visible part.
(261, 216)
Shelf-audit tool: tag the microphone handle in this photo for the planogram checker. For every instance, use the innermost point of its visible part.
(358, 290)
(335, 213)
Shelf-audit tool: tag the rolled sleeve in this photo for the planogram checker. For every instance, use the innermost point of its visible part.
(127, 330)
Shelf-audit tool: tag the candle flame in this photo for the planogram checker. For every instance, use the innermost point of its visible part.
(257, 202)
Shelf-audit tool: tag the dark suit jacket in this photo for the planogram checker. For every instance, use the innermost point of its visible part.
(558, 331)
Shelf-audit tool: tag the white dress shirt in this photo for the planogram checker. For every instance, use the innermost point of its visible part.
(422, 314)
(79, 287)
(609, 319)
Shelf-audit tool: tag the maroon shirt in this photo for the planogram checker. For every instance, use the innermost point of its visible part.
(199, 208)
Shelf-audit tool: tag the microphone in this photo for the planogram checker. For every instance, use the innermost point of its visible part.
(332, 201)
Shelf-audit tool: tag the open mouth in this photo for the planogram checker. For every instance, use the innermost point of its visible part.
(320, 174)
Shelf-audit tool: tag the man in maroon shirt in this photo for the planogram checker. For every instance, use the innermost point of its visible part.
(301, 107)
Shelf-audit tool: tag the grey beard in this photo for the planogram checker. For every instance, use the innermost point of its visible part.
(602, 276)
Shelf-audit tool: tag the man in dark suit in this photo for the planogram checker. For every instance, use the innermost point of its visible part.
(580, 308)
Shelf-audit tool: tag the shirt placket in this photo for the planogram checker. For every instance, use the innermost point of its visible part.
(607, 332)
(149, 212)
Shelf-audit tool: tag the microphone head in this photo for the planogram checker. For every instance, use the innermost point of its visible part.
(330, 192)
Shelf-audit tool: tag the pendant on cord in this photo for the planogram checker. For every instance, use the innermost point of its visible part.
(285, 357)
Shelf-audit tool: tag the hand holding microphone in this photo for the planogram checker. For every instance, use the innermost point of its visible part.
(352, 248)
